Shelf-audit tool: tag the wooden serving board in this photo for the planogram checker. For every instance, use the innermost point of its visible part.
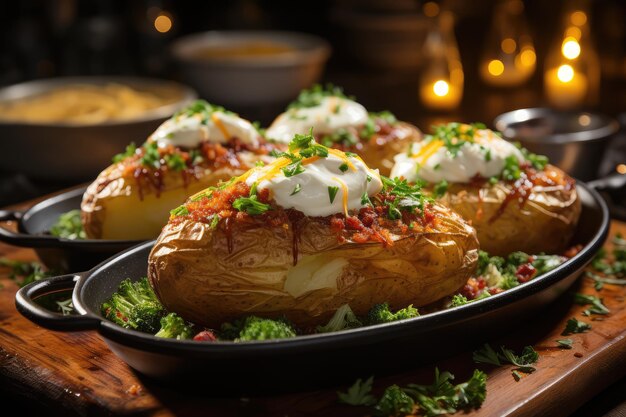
(76, 374)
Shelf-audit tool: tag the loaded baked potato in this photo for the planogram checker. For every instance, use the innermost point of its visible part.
(304, 235)
(199, 146)
(514, 199)
(341, 123)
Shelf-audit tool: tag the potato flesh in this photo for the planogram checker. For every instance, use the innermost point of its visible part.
(195, 275)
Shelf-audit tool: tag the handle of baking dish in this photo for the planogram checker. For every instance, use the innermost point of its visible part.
(20, 239)
(25, 302)
(613, 182)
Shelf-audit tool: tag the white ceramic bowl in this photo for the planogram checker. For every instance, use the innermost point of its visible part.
(252, 80)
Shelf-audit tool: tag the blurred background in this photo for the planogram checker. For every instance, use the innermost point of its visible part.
(426, 61)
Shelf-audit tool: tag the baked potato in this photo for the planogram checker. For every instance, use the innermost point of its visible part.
(302, 236)
(514, 199)
(341, 123)
(198, 147)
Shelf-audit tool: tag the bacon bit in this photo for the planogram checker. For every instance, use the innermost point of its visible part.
(494, 291)
(525, 273)
(481, 283)
(471, 289)
(205, 336)
(337, 225)
(573, 251)
(134, 390)
(353, 223)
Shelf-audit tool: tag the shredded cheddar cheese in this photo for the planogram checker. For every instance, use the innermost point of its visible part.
(220, 125)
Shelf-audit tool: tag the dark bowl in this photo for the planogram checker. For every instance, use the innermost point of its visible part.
(574, 141)
(313, 358)
(77, 152)
(56, 253)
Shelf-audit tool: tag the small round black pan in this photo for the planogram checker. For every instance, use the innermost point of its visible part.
(56, 253)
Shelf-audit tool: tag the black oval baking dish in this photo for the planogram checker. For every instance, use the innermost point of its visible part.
(56, 253)
(357, 351)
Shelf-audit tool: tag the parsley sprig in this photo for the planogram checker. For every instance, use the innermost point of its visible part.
(406, 197)
(313, 96)
(523, 361)
(439, 397)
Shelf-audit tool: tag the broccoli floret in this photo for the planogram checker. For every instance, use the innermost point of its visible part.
(174, 327)
(508, 281)
(344, 318)
(394, 402)
(380, 313)
(147, 316)
(458, 300)
(517, 258)
(484, 260)
(256, 328)
(134, 306)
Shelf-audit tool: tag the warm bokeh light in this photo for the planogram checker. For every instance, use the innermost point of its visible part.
(573, 32)
(565, 73)
(163, 23)
(570, 48)
(508, 45)
(584, 120)
(579, 18)
(431, 9)
(495, 67)
(528, 57)
(441, 88)
(621, 168)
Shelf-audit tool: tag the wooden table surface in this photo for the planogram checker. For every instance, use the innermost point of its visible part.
(76, 374)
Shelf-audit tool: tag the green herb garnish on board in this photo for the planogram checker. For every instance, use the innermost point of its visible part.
(438, 398)
(69, 226)
(523, 361)
(597, 306)
(23, 273)
(575, 326)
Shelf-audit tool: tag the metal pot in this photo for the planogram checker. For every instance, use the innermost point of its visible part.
(574, 141)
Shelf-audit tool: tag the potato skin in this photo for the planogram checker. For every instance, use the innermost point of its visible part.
(115, 207)
(379, 153)
(544, 223)
(194, 273)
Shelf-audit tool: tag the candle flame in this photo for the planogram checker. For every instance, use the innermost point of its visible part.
(441, 88)
(565, 73)
(570, 48)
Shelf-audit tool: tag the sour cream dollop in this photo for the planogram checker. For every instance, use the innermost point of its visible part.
(311, 191)
(188, 131)
(331, 114)
(432, 162)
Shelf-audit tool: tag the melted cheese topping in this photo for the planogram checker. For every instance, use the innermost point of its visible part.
(331, 114)
(189, 131)
(432, 162)
(319, 174)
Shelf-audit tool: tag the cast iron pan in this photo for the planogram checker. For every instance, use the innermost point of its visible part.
(56, 253)
(313, 357)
